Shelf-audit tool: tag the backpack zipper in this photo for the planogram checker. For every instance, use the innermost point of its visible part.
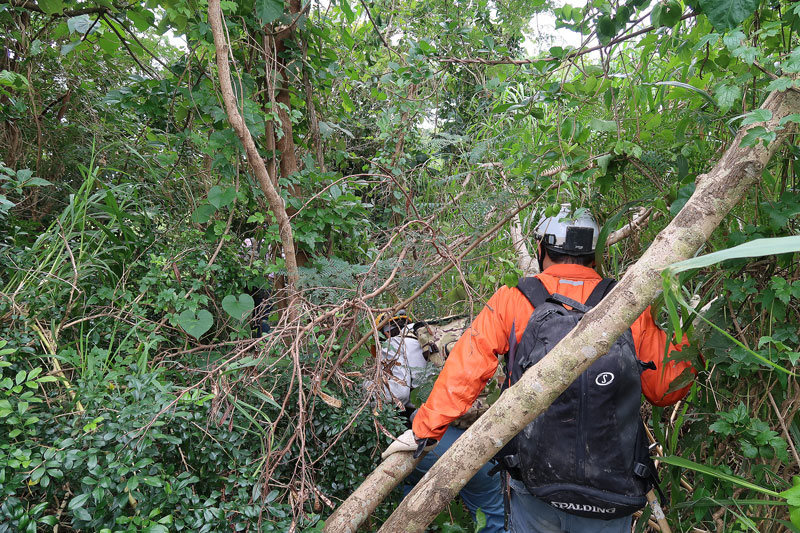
(580, 441)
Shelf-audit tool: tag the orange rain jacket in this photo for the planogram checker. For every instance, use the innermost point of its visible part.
(473, 360)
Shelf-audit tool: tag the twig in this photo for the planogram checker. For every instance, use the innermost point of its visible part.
(509, 61)
(494, 229)
(128, 48)
(784, 428)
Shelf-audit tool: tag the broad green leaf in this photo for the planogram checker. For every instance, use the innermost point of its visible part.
(733, 39)
(794, 117)
(238, 307)
(109, 43)
(756, 134)
(78, 501)
(51, 7)
(80, 24)
(748, 54)
(219, 197)
(711, 471)
(708, 39)
(510, 279)
(203, 213)
(142, 20)
(268, 10)
(793, 63)
(12, 79)
(727, 96)
(606, 29)
(757, 115)
(69, 47)
(480, 520)
(500, 108)
(780, 84)
(195, 324)
(669, 15)
(726, 14)
(602, 125)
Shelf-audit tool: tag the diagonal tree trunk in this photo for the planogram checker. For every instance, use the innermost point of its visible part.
(716, 194)
(276, 204)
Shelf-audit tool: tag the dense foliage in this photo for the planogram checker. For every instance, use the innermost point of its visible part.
(150, 378)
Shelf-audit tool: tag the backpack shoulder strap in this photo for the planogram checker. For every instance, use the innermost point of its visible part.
(599, 292)
(534, 290)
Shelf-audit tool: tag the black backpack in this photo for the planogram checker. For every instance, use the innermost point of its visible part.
(587, 454)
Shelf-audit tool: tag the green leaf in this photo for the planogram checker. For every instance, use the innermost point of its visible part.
(670, 14)
(347, 103)
(688, 87)
(748, 54)
(606, 29)
(726, 14)
(268, 10)
(203, 213)
(109, 43)
(154, 481)
(755, 248)
(733, 40)
(721, 426)
(794, 516)
(480, 520)
(80, 24)
(195, 324)
(758, 115)
(727, 96)
(780, 84)
(348, 12)
(757, 133)
(142, 20)
(501, 108)
(793, 63)
(69, 47)
(219, 197)
(78, 501)
(794, 117)
(711, 471)
(239, 308)
(602, 125)
(510, 279)
(14, 80)
(51, 7)
(709, 39)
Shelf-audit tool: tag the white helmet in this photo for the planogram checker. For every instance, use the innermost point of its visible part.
(567, 234)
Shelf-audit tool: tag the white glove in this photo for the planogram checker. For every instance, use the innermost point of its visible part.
(407, 443)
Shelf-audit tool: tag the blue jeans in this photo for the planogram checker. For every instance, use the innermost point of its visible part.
(481, 492)
(531, 515)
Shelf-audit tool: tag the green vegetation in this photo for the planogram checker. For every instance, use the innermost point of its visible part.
(140, 256)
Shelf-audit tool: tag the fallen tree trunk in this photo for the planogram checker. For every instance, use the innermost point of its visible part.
(716, 194)
(360, 505)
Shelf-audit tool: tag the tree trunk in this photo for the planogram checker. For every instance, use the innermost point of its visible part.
(716, 194)
(253, 157)
(360, 505)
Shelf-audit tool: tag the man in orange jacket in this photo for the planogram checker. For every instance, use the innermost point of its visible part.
(566, 257)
